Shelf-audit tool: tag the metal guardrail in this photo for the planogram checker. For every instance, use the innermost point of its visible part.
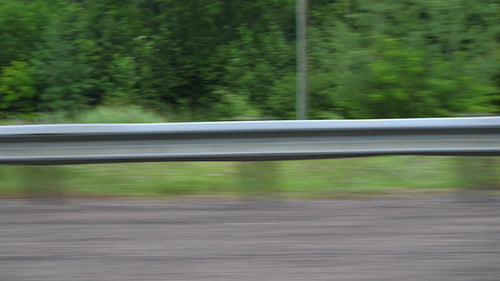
(247, 140)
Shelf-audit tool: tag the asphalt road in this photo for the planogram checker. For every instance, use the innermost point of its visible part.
(433, 238)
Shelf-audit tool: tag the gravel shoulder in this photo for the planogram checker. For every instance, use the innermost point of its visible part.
(429, 238)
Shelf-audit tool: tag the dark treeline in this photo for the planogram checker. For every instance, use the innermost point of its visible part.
(233, 58)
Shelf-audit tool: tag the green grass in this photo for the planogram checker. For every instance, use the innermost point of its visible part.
(293, 179)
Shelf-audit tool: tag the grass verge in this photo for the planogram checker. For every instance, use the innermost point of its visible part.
(332, 178)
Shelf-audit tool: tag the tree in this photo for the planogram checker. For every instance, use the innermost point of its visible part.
(20, 26)
(226, 58)
(17, 88)
(62, 62)
(402, 59)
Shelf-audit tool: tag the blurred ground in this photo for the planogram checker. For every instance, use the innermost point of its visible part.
(433, 238)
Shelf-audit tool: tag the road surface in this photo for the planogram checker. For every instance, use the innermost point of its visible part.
(431, 238)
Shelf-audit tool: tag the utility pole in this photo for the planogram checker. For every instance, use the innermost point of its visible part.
(301, 26)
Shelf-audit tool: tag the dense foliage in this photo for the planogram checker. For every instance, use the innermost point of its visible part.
(223, 59)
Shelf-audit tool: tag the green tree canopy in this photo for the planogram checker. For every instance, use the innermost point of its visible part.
(227, 59)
